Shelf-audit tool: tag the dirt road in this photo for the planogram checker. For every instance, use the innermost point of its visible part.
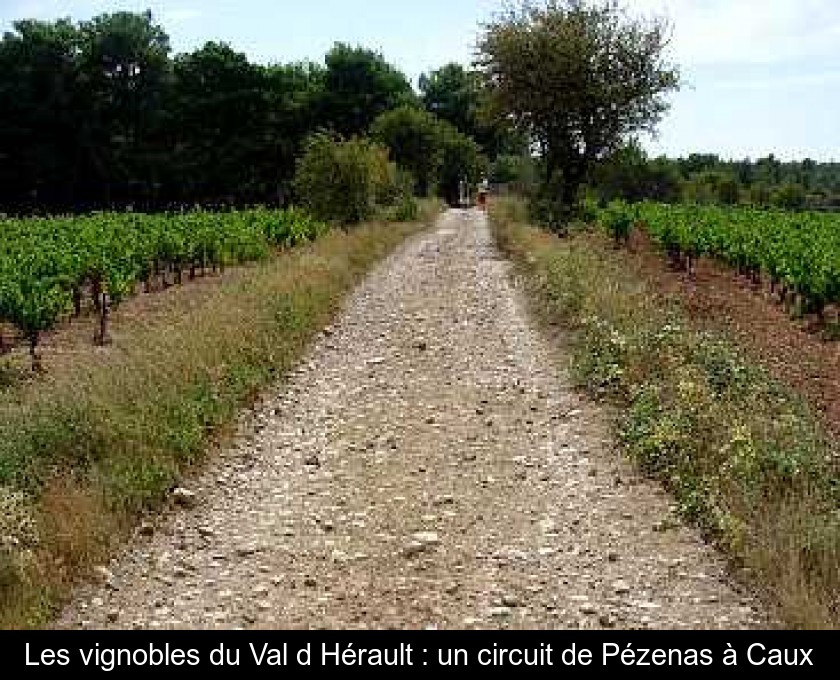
(426, 466)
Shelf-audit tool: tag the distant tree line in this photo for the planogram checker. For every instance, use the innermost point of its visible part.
(99, 114)
(582, 80)
(707, 178)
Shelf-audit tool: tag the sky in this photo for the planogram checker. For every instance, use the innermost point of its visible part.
(759, 76)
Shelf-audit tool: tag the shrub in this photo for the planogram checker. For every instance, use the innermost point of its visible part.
(406, 209)
(462, 161)
(413, 138)
(790, 197)
(18, 537)
(746, 459)
(339, 181)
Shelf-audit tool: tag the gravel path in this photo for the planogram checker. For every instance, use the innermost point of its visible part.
(426, 466)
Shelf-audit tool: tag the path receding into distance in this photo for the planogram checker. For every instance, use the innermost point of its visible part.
(427, 465)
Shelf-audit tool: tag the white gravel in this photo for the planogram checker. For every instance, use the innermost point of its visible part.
(427, 465)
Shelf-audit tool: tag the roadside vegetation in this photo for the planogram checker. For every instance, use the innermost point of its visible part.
(744, 457)
(707, 179)
(101, 115)
(100, 439)
(127, 167)
(267, 190)
(796, 254)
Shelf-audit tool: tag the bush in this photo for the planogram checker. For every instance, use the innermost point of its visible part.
(462, 161)
(618, 219)
(746, 459)
(18, 537)
(406, 209)
(340, 181)
(760, 195)
(413, 138)
(546, 207)
(729, 191)
(790, 197)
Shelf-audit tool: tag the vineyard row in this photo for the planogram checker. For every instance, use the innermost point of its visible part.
(48, 266)
(798, 253)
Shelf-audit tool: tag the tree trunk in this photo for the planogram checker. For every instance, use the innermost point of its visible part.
(37, 365)
(77, 301)
(101, 337)
(96, 293)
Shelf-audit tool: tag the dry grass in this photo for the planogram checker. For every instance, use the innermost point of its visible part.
(107, 432)
(745, 457)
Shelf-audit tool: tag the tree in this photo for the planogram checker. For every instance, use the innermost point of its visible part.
(293, 91)
(517, 171)
(728, 191)
(769, 170)
(81, 111)
(462, 161)
(452, 93)
(359, 85)
(628, 174)
(807, 168)
(338, 181)
(219, 120)
(126, 74)
(457, 95)
(41, 115)
(432, 150)
(414, 140)
(789, 197)
(578, 77)
(760, 194)
(697, 163)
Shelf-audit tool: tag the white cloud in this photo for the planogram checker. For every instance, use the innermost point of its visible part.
(178, 16)
(748, 31)
(780, 82)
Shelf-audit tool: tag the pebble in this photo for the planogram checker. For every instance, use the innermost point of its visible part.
(429, 539)
(621, 588)
(185, 498)
(607, 621)
(104, 574)
(499, 612)
(485, 424)
(512, 601)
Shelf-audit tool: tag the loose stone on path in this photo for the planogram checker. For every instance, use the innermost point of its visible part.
(427, 465)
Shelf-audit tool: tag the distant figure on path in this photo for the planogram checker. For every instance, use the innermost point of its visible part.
(483, 190)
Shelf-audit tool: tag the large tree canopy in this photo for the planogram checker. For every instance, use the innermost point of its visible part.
(453, 93)
(125, 69)
(413, 139)
(579, 77)
(97, 114)
(40, 112)
(219, 103)
(457, 95)
(359, 85)
(431, 149)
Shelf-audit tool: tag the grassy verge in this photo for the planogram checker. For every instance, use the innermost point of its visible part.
(104, 437)
(745, 458)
